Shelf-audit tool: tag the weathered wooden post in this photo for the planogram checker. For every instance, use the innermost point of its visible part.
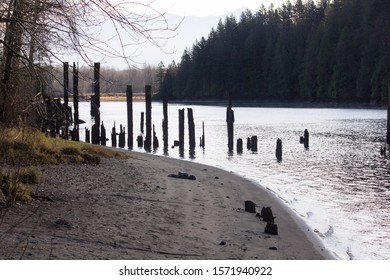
(248, 143)
(230, 124)
(165, 124)
(142, 123)
(129, 99)
(155, 139)
(66, 99)
(76, 135)
(306, 139)
(202, 139)
(148, 102)
(278, 151)
(103, 139)
(181, 130)
(113, 136)
(388, 122)
(191, 128)
(95, 99)
(122, 137)
(87, 135)
(254, 143)
(239, 146)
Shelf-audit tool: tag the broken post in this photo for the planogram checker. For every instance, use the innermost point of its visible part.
(254, 143)
(129, 99)
(103, 139)
(148, 103)
(87, 135)
(181, 130)
(76, 135)
(191, 128)
(248, 143)
(113, 136)
(278, 151)
(155, 139)
(122, 137)
(239, 146)
(165, 124)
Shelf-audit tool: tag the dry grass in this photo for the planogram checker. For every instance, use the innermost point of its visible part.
(27, 146)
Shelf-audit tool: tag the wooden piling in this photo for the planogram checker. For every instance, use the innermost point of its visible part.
(142, 123)
(248, 143)
(165, 123)
(230, 125)
(148, 102)
(155, 139)
(87, 135)
(306, 139)
(202, 138)
(103, 138)
(191, 128)
(388, 123)
(122, 137)
(113, 136)
(181, 129)
(129, 99)
(239, 145)
(278, 151)
(76, 135)
(66, 100)
(254, 143)
(95, 99)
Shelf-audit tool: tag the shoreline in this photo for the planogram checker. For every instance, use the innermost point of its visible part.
(131, 209)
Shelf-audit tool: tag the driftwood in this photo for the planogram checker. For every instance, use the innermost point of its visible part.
(182, 175)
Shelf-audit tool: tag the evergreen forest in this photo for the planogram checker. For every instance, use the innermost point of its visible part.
(307, 51)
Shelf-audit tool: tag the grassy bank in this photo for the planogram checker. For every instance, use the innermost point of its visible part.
(23, 148)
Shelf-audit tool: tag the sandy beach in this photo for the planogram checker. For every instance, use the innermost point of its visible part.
(130, 209)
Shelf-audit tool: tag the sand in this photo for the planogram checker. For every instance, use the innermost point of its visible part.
(130, 209)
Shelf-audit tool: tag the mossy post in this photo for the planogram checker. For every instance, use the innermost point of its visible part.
(148, 110)
(76, 135)
(191, 128)
(181, 131)
(230, 125)
(129, 99)
(165, 124)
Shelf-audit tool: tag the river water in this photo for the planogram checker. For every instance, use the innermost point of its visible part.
(340, 186)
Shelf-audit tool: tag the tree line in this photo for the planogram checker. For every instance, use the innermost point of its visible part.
(324, 51)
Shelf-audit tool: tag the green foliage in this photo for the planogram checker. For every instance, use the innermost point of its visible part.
(334, 51)
(12, 188)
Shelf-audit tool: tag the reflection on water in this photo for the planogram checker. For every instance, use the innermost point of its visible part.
(340, 184)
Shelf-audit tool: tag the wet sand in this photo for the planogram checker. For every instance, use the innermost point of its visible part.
(130, 209)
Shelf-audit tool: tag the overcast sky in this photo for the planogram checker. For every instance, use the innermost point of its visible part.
(210, 7)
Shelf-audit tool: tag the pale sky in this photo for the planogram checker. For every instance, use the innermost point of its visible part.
(210, 7)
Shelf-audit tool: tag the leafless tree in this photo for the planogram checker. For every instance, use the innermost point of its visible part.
(34, 34)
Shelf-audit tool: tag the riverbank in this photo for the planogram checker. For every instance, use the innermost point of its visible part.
(131, 209)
